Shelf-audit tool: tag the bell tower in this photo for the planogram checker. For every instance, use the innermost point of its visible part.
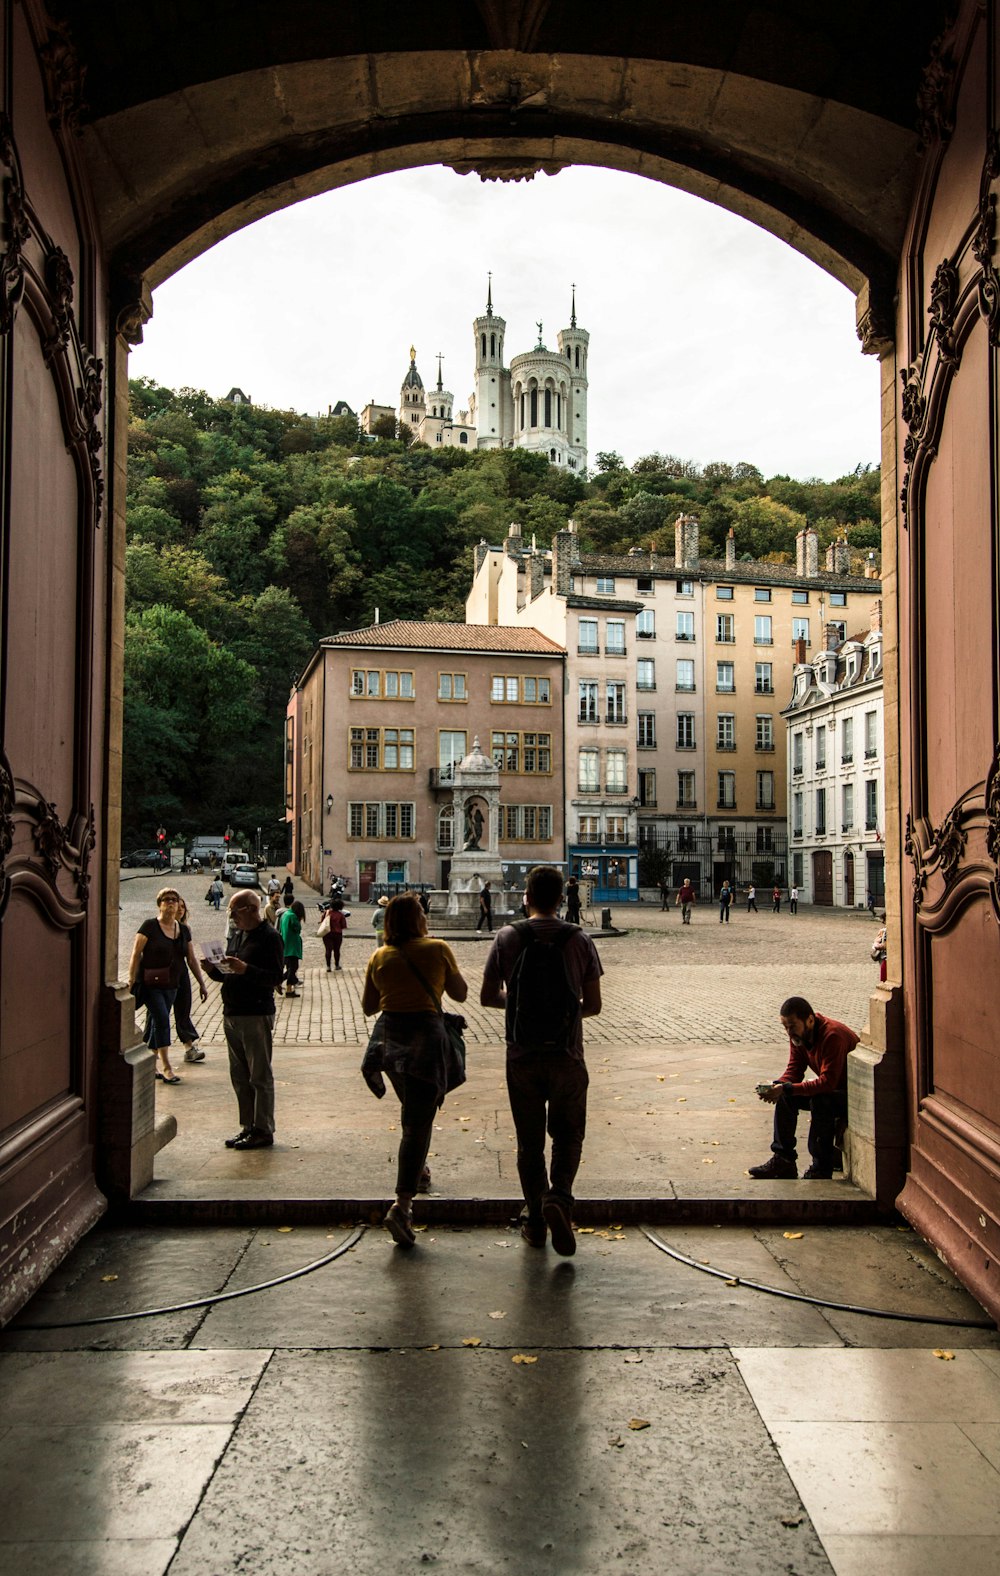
(573, 347)
(493, 413)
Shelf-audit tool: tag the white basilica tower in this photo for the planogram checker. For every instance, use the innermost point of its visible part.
(540, 403)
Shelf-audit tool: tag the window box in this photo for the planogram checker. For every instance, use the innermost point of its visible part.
(870, 755)
(871, 826)
(846, 760)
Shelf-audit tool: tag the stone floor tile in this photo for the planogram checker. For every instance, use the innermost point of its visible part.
(853, 1385)
(106, 1481)
(74, 1388)
(888, 1555)
(991, 1357)
(985, 1437)
(914, 1478)
(99, 1557)
(464, 1461)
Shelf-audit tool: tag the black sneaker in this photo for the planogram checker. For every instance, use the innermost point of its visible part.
(424, 1180)
(557, 1217)
(244, 1132)
(255, 1140)
(534, 1231)
(399, 1224)
(817, 1173)
(777, 1169)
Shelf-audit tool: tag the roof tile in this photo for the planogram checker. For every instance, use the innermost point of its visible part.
(403, 635)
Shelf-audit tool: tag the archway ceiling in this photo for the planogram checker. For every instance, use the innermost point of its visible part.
(203, 115)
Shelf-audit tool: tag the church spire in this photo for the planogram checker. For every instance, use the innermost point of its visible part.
(489, 295)
(440, 384)
(572, 315)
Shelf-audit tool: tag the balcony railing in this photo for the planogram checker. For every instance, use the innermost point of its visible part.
(686, 744)
(588, 651)
(680, 636)
(871, 826)
(646, 689)
(687, 804)
(763, 689)
(685, 689)
(796, 771)
(870, 755)
(442, 776)
(588, 716)
(646, 634)
(647, 804)
(726, 746)
(615, 788)
(765, 804)
(588, 788)
(588, 837)
(846, 760)
(616, 717)
(725, 640)
(764, 749)
(725, 804)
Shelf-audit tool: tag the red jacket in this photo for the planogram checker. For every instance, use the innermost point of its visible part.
(826, 1057)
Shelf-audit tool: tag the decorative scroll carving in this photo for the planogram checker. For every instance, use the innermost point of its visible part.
(63, 78)
(16, 229)
(935, 119)
(59, 277)
(948, 843)
(913, 854)
(512, 24)
(875, 330)
(993, 815)
(90, 396)
(507, 169)
(86, 842)
(51, 837)
(944, 300)
(984, 239)
(6, 812)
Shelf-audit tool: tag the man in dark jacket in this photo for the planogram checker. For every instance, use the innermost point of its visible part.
(250, 973)
(821, 1045)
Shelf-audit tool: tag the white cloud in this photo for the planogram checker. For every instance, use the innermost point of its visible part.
(709, 338)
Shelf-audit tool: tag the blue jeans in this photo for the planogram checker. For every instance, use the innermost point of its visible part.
(157, 1003)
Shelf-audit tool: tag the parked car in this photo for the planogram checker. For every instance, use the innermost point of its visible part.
(245, 876)
(146, 859)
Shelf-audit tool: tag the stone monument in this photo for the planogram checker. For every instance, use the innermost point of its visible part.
(476, 860)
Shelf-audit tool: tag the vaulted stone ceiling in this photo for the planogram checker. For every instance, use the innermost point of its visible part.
(202, 115)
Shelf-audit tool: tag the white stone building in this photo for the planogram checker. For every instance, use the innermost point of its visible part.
(836, 769)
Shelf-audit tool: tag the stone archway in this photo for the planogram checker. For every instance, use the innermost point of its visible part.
(124, 155)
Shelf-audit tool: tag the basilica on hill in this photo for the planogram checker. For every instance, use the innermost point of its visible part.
(538, 402)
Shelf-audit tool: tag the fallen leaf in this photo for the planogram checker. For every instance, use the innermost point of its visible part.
(635, 1423)
(707, 1160)
(519, 1357)
(732, 1099)
(109, 1277)
(682, 1099)
(791, 1521)
(472, 1340)
(435, 1348)
(524, 1444)
(792, 1236)
(945, 1356)
(632, 1359)
(286, 1228)
(420, 1228)
(660, 1078)
(585, 1231)
(732, 1283)
(616, 1442)
(499, 1314)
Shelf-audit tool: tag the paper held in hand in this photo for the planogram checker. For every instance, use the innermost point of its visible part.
(214, 952)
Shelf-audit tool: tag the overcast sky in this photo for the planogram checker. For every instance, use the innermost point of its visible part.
(709, 339)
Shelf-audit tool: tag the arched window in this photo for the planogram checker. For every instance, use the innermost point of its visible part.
(548, 407)
(522, 412)
(493, 344)
(578, 355)
(484, 347)
(446, 828)
(463, 437)
(534, 407)
(559, 410)
(552, 455)
(569, 352)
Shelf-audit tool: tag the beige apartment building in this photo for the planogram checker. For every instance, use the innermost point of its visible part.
(677, 669)
(377, 722)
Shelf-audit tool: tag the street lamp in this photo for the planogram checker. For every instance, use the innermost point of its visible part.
(329, 804)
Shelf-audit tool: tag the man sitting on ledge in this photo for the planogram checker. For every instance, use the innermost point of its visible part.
(822, 1045)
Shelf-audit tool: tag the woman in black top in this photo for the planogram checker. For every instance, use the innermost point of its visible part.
(572, 901)
(158, 955)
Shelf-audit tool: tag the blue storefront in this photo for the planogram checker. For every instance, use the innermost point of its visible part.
(613, 869)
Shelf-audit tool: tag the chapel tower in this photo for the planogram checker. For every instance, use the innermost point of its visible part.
(412, 400)
(492, 411)
(573, 346)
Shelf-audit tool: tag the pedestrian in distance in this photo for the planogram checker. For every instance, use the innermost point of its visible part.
(159, 952)
(485, 908)
(378, 920)
(288, 887)
(572, 901)
(407, 977)
(664, 894)
(216, 891)
(793, 900)
(725, 902)
(273, 886)
(250, 973)
(686, 898)
(183, 1022)
(290, 930)
(331, 928)
(425, 903)
(819, 1045)
(752, 899)
(546, 975)
(776, 899)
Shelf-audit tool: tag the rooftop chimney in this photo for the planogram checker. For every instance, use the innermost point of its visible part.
(565, 554)
(513, 543)
(833, 637)
(482, 553)
(800, 653)
(871, 567)
(838, 557)
(686, 542)
(731, 549)
(536, 575)
(807, 554)
(877, 613)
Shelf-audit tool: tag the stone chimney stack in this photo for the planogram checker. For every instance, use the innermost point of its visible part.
(565, 555)
(731, 549)
(536, 575)
(686, 542)
(832, 637)
(800, 653)
(807, 554)
(871, 567)
(482, 553)
(877, 613)
(838, 557)
(513, 544)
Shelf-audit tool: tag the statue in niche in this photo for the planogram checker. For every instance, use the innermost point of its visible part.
(474, 824)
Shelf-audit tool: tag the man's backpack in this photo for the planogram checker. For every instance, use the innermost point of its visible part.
(543, 1009)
